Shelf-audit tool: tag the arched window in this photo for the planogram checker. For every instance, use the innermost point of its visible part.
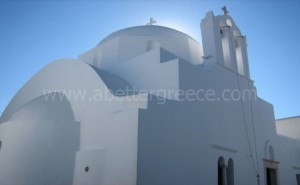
(240, 56)
(225, 173)
(230, 172)
(221, 171)
(271, 153)
(227, 46)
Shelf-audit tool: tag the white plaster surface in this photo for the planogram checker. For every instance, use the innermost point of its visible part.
(49, 135)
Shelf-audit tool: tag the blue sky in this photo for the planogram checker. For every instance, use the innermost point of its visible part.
(35, 33)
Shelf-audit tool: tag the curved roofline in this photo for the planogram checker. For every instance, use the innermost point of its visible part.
(152, 30)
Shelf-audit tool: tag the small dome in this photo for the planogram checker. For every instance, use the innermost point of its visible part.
(126, 44)
(156, 31)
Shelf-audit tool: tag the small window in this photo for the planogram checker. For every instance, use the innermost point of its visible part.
(86, 169)
(0, 144)
(221, 168)
(298, 179)
(230, 172)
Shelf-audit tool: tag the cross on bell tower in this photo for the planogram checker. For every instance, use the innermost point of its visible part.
(224, 8)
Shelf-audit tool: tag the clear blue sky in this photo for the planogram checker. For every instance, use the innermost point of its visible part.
(34, 33)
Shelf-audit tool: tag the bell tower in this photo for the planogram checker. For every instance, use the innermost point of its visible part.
(223, 42)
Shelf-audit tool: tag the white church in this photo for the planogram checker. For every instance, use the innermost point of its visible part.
(149, 105)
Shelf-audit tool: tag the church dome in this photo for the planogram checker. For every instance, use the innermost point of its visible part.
(148, 31)
(128, 43)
